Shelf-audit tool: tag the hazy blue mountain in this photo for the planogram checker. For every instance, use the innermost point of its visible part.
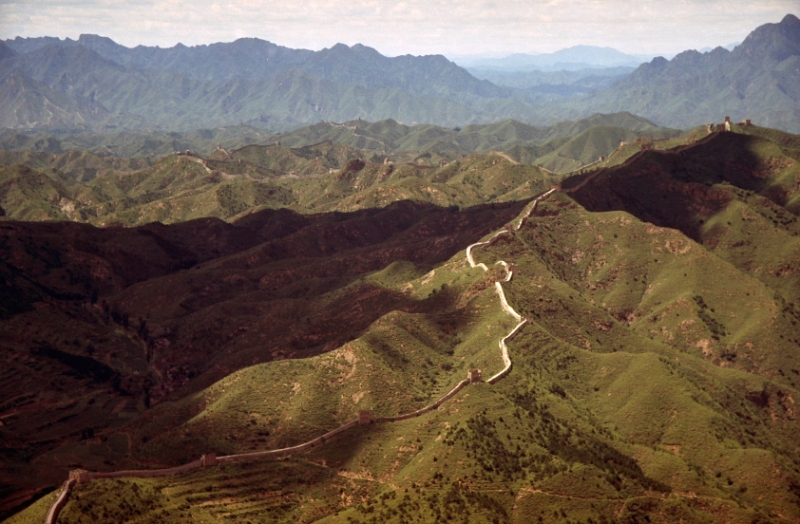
(555, 84)
(27, 45)
(759, 80)
(570, 59)
(249, 81)
(96, 84)
(729, 47)
(7, 52)
(26, 103)
(255, 59)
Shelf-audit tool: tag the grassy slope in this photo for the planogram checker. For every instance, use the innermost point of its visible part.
(602, 417)
(657, 378)
(313, 179)
(275, 285)
(85, 187)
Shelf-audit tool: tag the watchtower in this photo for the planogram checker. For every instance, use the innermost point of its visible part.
(364, 417)
(80, 476)
(475, 375)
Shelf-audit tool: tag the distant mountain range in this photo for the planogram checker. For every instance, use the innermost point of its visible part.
(570, 59)
(759, 79)
(559, 147)
(95, 84)
(729, 47)
(555, 84)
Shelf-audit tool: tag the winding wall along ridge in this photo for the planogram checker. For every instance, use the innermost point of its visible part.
(55, 508)
(85, 476)
(430, 407)
(499, 287)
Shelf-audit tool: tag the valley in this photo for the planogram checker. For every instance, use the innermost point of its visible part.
(248, 283)
(672, 275)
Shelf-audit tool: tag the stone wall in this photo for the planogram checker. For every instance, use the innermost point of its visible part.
(210, 459)
(85, 476)
(429, 407)
(246, 457)
(58, 505)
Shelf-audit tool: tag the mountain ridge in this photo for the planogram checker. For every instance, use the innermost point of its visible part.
(257, 83)
(757, 80)
(662, 266)
(571, 58)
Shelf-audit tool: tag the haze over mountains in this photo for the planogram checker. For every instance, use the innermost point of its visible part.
(759, 77)
(570, 59)
(96, 84)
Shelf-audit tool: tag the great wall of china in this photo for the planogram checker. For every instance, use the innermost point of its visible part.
(82, 476)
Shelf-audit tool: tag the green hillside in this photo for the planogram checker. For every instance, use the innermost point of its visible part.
(655, 379)
(133, 144)
(320, 178)
(392, 138)
(298, 171)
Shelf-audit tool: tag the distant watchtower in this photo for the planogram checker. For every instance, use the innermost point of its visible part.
(81, 476)
(364, 417)
(475, 375)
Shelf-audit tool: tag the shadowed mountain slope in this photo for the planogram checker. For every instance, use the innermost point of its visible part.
(100, 324)
(656, 377)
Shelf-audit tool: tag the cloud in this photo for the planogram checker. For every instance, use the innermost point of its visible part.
(410, 26)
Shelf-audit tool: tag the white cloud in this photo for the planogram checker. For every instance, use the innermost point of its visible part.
(410, 26)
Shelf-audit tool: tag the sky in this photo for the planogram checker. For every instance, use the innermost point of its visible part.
(418, 27)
